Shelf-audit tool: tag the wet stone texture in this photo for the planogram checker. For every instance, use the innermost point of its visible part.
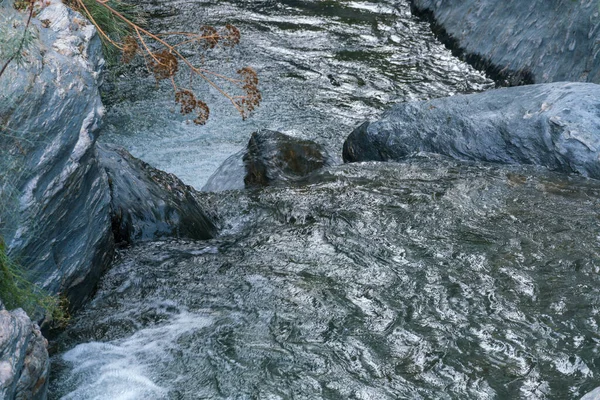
(270, 159)
(54, 199)
(273, 157)
(24, 361)
(524, 42)
(147, 203)
(556, 125)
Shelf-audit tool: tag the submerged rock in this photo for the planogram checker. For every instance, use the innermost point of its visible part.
(147, 203)
(525, 42)
(271, 158)
(554, 125)
(55, 200)
(593, 395)
(229, 176)
(24, 362)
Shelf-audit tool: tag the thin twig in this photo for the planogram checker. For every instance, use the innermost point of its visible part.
(89, 14)
(177, 53)
(20, 48)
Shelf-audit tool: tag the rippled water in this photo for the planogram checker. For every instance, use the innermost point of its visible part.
(426, 279)
(324, 67)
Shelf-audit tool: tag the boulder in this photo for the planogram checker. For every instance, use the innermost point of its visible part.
(147, 203)
(229, 176)
(270, 159)
(555, 125)
(275, 158)
(24, 361)
(532, 41)
(55, 199)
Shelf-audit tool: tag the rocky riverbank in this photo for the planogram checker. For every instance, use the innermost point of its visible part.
(65, 201)
(68, 202)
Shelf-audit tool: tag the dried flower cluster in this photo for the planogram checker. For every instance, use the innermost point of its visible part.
(163, 64)
(130, 49)
(189, 103)
(209, 36)
(252, 96)
(233, 36)
(164, 57)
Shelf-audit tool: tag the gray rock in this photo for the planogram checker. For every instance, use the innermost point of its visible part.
(275, 158)
(55, 200)
(531, 41)
(593, 395)
(24, 362)
(555, 125)
(229, 176)
(147, 203)
(271, 158)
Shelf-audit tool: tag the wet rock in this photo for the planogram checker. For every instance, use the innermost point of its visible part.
(24, 362)
(593, 395)
(523, 42)
(55, 214)
(554, 125)
(229, 176)
(271, 158)
(274, 158)
(147, 203)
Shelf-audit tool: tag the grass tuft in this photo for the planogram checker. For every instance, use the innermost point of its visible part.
(16, 291)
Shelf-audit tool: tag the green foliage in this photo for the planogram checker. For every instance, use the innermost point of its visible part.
(111, 25)
(14, 39)
(16, 291)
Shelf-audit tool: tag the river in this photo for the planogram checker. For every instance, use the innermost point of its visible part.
(430, 278)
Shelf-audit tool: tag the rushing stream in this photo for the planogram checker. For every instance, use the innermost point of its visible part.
(324, 67)
(426, 279)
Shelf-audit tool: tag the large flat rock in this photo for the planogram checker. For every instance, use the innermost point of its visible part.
(554, 125)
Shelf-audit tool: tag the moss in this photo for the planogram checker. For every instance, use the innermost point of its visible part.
(16, 291)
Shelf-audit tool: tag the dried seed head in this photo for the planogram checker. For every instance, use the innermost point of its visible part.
(252, 97)
(189, 103)
(232, 36)
(187, 100)
(203, 113)
(210, 36)
(130, 49)
(163, 64)
(249, 76)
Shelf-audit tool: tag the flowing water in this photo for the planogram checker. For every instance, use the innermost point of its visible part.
(426, 279)
(324, 67)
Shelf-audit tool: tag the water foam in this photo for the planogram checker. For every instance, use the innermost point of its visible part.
(127, 369)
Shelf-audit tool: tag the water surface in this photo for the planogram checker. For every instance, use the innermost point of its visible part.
(427, 279)
(324, 67)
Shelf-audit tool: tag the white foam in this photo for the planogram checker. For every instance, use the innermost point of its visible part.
(125, 369)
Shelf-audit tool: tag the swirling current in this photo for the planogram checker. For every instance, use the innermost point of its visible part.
(426, 279)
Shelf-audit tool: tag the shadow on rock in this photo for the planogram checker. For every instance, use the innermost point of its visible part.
(147, 203)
